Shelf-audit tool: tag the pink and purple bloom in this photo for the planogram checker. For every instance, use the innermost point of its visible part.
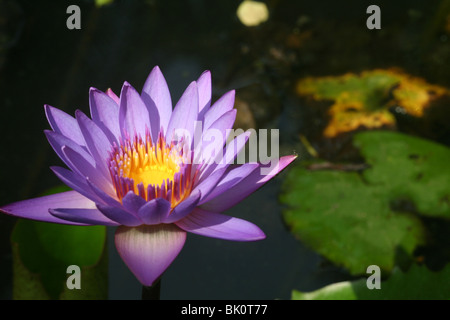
(130, 167)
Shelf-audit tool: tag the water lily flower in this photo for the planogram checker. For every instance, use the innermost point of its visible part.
(129, 167)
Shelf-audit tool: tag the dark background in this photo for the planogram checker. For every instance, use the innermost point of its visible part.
(42, 62)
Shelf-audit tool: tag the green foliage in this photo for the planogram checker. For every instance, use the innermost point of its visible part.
(417, 283)
(414, 170)
(359, 219)
(43, 251)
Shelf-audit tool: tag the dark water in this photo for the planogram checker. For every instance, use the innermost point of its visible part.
(42, 62)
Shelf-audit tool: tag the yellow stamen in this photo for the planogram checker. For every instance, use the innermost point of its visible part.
(154, 166)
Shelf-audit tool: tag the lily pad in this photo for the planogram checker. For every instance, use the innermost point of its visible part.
(359, 219)
(364, 100)
(413, 170)
(418, 283)
(42, 252)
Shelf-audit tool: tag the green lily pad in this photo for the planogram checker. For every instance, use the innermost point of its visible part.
(418, 283)
(360, 219)
(42, 252)
(413, 169)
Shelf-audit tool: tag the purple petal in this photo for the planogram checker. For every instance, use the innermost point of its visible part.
(119, 215)
(224, 104)
(245, 187)
(134, 118)
(233, 148)
(207, 185)
(113, 96)
(149, 250)
(156, 92)
(154, 211)
(185, 113)
(224, 123)
(204, 97)
(231, 151)
(155, 125)
(57, 141)
(231, 179)
(105, 113)
(215, 137)
(204, 91)
(64, 124)
(37, 208)
(110, 200)
(86, 170)
(86, 216)
(184, 208)
(217, 225)
(76, 182)
(96, 141)
(114, 209)
(132, 202)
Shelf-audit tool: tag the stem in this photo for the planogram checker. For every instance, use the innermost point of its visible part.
(153, 292)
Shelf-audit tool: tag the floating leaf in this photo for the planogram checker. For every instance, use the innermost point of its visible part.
(364, 100)
(43, 251)
(359, 219)
(418, 283)
(413, 170)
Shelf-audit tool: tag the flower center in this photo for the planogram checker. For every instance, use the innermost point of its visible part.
(148, 164)
(152, 174)
(150, 170)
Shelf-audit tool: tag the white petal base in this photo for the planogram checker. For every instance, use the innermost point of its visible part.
(148, 250)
